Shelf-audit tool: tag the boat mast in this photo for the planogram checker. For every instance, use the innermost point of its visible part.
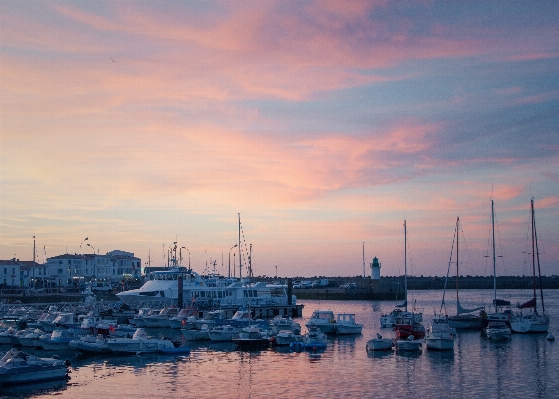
(457, 239)
(405, 267)
(240, 259)
(535, 238)
(533, 252)
(494, 260)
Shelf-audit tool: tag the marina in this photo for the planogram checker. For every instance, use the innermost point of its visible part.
(523, 366)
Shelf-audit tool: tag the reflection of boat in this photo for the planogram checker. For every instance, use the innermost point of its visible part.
(532, 322)
(408, 344)
(440, 335)
(497, 331)
(464, 318)
(17, 367)
(324, 320)
(140, 342)
(379, 344)
(345, 324)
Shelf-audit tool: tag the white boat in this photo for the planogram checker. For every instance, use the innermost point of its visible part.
(211, 319)
(162, 288)
(499, 315)
(408, 344)
(345, 324)
(140, 343)
(497, 331)
(161, 320)
(280, 323)
(17, 367)
(196, 334)
(186, 318)
(323, 320)
(6, 336)
(388, 320)
(380, 344)
(138, 319)
(223, 333)
(31, 339)
(440, 336)
(315, 338)
(91, 344)
(58, 340)
(252, 337)
(532, 322)
(464, 318)
(286, 337)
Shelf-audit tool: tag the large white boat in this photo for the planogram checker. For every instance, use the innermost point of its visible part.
(17, 367)
(324, 320)
(162, 287)
(440, 335)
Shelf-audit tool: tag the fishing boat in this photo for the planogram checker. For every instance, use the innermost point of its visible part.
(464, 319)
(324, 320)
(17, 367)
(532, 322)
(380, 344)
(408, 323)
(440, 336)
(346, 325)
(388, 320)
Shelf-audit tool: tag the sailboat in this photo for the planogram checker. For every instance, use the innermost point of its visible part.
(464, 318)
(497, 317)
(408, 323)
(532, 322)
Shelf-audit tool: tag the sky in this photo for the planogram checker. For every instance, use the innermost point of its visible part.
(320, 125)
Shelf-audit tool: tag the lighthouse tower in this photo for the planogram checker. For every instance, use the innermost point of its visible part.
(375, 269)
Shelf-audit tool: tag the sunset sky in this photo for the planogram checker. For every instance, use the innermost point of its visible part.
(324, 124)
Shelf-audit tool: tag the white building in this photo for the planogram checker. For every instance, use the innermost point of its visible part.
(375, 269)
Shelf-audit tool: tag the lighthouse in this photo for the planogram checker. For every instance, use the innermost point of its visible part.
(375, 269)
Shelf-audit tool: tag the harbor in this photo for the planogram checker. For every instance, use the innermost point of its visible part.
(523, 366)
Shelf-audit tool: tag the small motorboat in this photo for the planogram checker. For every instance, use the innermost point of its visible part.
(408, 345)
(315, 338)
(498, 331)
(380, 344)
(140, 343)
(345, 324)
(251, 337)
(17, 367)
(91, 344)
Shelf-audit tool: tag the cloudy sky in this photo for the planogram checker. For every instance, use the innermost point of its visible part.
(324, 124)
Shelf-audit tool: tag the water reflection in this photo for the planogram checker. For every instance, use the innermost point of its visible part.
(37, 388)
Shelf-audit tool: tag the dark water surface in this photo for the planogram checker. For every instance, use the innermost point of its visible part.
(525, 367)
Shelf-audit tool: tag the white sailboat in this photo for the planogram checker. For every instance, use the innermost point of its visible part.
(464, 318)
(532, 322)
(488, 320)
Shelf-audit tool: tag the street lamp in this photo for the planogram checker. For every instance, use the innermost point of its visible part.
(91, 246)
(229, 272)
(276, 271)
(85, 239)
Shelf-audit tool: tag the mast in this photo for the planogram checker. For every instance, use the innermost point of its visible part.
(457, 240)
(240, 259)
(533, 251)
(494, 260)
(535, 239)
(405, 268)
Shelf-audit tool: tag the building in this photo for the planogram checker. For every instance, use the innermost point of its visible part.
(18, 273)
(375, 269)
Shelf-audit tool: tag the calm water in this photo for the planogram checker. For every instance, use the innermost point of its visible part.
(525, 367)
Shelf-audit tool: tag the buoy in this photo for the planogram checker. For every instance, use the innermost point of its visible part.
(550, 337)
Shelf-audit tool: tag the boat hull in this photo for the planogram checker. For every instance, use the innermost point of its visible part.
(441, 344)
(380, 344)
